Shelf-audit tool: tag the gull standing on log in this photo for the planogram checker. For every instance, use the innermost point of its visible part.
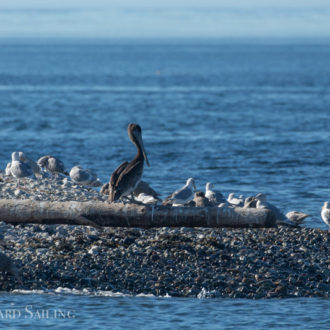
(214, 197)
(325, 213)
(125, 178)
(263, 204)
(184, 194)
(235, 201)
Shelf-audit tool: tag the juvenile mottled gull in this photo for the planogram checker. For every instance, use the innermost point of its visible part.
(85, 177)
(200, 199)
(52, 165)
(325, 213)
(214, 197)
(184, 194)
(296, 217)
(19, 169)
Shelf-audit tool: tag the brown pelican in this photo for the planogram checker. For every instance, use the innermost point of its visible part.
(125, 178)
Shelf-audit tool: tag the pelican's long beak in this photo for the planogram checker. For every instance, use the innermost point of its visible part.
(139, 138)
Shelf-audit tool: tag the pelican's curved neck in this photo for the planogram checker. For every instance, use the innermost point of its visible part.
(139, 153)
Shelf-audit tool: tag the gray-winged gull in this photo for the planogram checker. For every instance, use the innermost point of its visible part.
(234, 200)
(144, 188)
(184, 194)
(19, 169)
(263, 204)
(7, 170)
(34, 166)
(146, 199)
(214, 197)
(85, 177)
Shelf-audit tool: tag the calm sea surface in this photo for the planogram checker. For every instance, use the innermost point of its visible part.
(249, 117)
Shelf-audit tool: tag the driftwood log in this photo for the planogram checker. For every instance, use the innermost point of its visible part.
(103, 214)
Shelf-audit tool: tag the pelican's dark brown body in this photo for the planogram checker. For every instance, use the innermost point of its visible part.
(127, 175)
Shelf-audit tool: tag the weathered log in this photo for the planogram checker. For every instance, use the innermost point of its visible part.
(131, 215)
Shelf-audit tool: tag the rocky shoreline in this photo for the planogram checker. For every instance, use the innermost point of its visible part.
(180, 262)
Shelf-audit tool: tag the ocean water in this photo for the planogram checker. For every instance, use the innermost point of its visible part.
(109, 311)
(248, 116)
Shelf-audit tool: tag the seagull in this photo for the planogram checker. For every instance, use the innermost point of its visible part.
(296, 217)
(235, 201)
(325, 213)
(221, 205)
(184, 194)
(200, 199)
(250, 202)
(214, 197)
(52, 165)
(7, 170)
(144, 187)
(34, 166)
(263, 204)
(86, 177)
(19, 169)
(146, 199)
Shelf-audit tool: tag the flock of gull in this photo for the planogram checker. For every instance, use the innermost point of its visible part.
(126, 185)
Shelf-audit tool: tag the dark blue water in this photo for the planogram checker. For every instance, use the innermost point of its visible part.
(250, 117)
(97, 312)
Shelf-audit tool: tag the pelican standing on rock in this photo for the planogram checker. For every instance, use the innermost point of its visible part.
(325, 213)
(126, 177)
